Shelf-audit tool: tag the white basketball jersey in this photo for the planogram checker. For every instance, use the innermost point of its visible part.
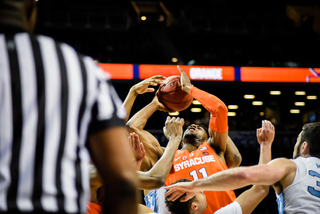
(303, 195)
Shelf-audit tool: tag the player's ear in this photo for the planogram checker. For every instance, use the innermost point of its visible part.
(304, 148)
(194, 206)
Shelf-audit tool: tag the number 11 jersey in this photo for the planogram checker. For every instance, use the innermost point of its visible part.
(198, 164)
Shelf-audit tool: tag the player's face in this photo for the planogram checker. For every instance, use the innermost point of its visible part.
(202, 201)
(195, 131)
(296, 151)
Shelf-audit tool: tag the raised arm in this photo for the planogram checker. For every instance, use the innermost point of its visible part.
(155, 177)
(140, 88)
(250, 199)
(137, 123)
(218, 125)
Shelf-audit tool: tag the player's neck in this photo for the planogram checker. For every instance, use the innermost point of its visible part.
(189, 147)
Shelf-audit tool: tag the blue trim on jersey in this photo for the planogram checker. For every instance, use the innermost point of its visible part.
(280, 202)
(151, 200)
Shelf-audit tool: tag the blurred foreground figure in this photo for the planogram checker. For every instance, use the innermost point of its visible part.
(57, 108)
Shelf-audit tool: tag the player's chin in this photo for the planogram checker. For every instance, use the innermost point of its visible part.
(190, 135)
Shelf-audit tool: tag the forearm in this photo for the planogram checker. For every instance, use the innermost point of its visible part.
(217, 108)
(239, 177)
(163, 166)
(221, 181)
(148, 182)
(128, 102)
(140, 119)
(250, 199)
(265, 153)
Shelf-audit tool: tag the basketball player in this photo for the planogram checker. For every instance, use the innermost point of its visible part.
(296, 181)
(154, 178)
(245, 203)
(137, 122)
(209, 152)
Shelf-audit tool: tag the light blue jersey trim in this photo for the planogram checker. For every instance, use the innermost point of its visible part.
(151, 200)
(280, 203)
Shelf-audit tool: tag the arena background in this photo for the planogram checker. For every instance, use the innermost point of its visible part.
(272, 34)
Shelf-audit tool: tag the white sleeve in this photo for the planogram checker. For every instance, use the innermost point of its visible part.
(233, 208)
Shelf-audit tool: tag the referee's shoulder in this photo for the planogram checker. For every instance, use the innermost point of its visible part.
(62, 44)
(87, 60)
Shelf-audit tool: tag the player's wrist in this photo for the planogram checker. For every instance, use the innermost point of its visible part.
(175, 136)
(266, 143)
(187, 88)
(133, 91)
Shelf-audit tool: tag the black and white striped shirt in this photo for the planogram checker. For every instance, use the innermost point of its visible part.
(50, 98)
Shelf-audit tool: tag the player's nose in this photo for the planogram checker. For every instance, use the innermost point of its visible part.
(192, 126)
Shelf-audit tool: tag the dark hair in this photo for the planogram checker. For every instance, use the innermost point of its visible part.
(311, 134)
(177, 207)
(206, 130)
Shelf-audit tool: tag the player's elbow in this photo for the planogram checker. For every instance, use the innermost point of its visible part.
(159, 182)
(261, 190)
(222, 109)
(259, 175)
(243, 176)
(235, 161)
(264, 190)
(150, 182)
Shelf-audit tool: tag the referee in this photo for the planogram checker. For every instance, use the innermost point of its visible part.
(57, 108)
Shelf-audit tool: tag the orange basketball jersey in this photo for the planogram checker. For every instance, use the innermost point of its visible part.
(198, 164)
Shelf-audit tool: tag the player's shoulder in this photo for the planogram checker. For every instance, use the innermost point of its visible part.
(281, 161)
(287, 167)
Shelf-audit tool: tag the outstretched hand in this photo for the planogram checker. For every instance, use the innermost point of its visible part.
(137, 148)
(143, 86)
(266, 133)
(175, 191)
(173, 127)
(185, 81)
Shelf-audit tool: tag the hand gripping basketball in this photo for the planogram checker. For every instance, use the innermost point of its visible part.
(172, 96)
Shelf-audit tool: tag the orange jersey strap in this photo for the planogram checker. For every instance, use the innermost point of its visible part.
(217, 108)
(93, 208)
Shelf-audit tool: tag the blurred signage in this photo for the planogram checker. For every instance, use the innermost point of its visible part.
(147, 71)
(118, 71)
(207, 73)
(315, 76)
(266, 74)
(214, 73)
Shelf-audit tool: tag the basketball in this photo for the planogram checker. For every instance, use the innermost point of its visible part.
(172, 96)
